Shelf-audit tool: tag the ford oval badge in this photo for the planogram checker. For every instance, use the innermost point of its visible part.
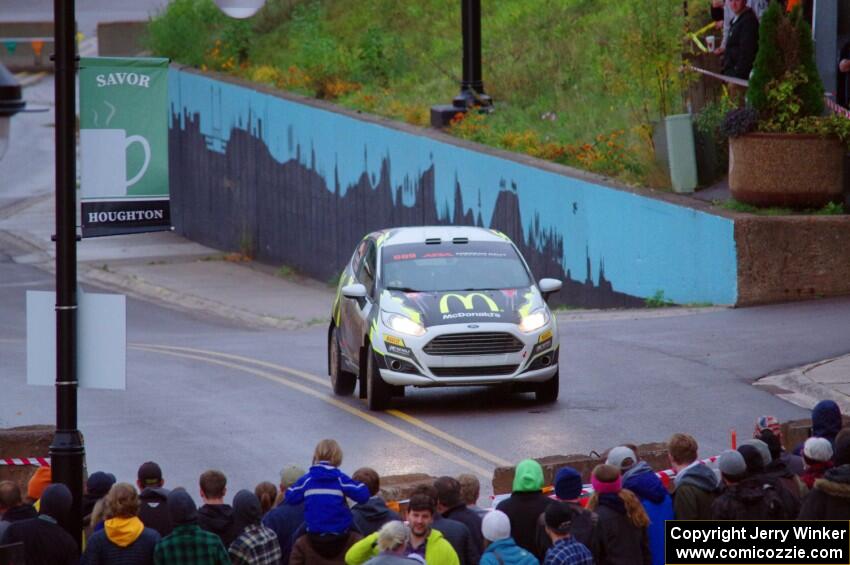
(472, 326)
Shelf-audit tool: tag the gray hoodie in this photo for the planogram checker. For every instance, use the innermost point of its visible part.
(696, 489)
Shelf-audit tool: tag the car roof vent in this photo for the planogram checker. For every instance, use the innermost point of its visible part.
(432, 240)
(460, 240)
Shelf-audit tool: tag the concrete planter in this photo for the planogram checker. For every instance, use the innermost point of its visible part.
(789, 170)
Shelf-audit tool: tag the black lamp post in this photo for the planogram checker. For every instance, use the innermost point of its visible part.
(66, 451)
(472, 86)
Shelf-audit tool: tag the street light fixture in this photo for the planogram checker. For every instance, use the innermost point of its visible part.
(240, 9)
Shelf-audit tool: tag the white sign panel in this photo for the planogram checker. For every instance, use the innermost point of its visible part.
(101, 339)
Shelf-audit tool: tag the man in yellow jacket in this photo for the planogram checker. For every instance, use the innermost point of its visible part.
(425, 542)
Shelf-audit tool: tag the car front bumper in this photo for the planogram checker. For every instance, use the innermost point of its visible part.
(403, 361)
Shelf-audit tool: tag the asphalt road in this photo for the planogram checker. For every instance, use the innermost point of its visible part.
(203, 393)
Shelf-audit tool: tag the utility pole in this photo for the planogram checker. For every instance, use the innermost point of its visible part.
(66, 451)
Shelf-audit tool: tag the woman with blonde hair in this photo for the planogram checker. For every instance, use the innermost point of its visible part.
(623, 521)
(124, 539)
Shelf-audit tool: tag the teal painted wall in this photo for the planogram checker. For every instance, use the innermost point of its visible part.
(644, 244)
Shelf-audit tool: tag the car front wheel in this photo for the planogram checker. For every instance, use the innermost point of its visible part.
(343, 382)
(378, 392)
(547, 391)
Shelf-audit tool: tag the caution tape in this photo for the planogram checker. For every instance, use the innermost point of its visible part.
(718, 76)
(25, 461)
(695, 36)
(830, 103)
(836, 108)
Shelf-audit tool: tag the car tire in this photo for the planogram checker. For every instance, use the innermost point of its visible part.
(547, 391)
(342, 382)
(378, 392)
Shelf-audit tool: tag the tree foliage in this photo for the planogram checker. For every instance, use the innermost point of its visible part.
(785, 53)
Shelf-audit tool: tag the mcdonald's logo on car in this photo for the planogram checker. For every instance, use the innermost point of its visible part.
(467, 301)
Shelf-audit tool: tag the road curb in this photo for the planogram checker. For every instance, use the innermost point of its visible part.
(141, 288)
(795, 386)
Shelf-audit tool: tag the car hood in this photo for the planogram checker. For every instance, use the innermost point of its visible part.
(458, 307)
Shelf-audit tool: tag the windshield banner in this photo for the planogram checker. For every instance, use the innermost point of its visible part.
(123, 145)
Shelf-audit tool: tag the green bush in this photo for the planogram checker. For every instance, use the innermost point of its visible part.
(568, 71)
(185, 31)
(785, 55)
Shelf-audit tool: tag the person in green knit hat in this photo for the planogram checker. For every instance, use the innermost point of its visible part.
(525, 505)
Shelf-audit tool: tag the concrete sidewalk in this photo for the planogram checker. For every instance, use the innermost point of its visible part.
(165, 267)
(805, 386)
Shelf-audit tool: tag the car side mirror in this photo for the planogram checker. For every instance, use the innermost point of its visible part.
(355, 291)
(548, 287)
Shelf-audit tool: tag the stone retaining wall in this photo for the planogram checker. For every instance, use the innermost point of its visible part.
(792, 258)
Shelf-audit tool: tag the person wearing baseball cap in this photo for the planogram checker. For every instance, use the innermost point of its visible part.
(585, 523)
(153, 499)
(565, 549)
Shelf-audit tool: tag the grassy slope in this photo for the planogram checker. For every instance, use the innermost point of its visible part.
(575, 81)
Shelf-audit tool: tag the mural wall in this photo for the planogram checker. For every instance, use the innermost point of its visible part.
(300, 185)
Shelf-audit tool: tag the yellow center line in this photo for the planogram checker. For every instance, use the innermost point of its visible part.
(412, 420)
(449, 438)
(250, 360)
(485, 473)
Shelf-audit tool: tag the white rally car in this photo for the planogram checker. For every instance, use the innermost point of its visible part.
(441, 306)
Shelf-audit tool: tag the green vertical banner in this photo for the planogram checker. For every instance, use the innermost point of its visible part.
(123, 145)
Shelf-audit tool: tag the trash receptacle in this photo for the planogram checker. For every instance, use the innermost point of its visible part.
(681, 153)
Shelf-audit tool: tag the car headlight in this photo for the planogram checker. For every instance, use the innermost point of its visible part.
(402, 324)
(534, 321)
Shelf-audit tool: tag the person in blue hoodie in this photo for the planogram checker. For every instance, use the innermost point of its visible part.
(323, 491)
(501, 548)
(639, 478)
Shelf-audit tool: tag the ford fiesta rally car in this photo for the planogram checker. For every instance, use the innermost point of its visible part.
(441, 306)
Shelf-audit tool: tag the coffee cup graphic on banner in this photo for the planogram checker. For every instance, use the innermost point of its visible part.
(103, 160)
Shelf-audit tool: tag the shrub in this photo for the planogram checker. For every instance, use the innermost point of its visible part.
(185, 30)
(785, 53)
(739, 122)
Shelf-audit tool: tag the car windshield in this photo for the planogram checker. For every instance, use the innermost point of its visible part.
(452, 266)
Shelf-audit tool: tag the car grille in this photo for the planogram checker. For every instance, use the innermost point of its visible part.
(474, 343)
(474, 371)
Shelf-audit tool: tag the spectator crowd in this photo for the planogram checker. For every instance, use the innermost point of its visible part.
(323, 516)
